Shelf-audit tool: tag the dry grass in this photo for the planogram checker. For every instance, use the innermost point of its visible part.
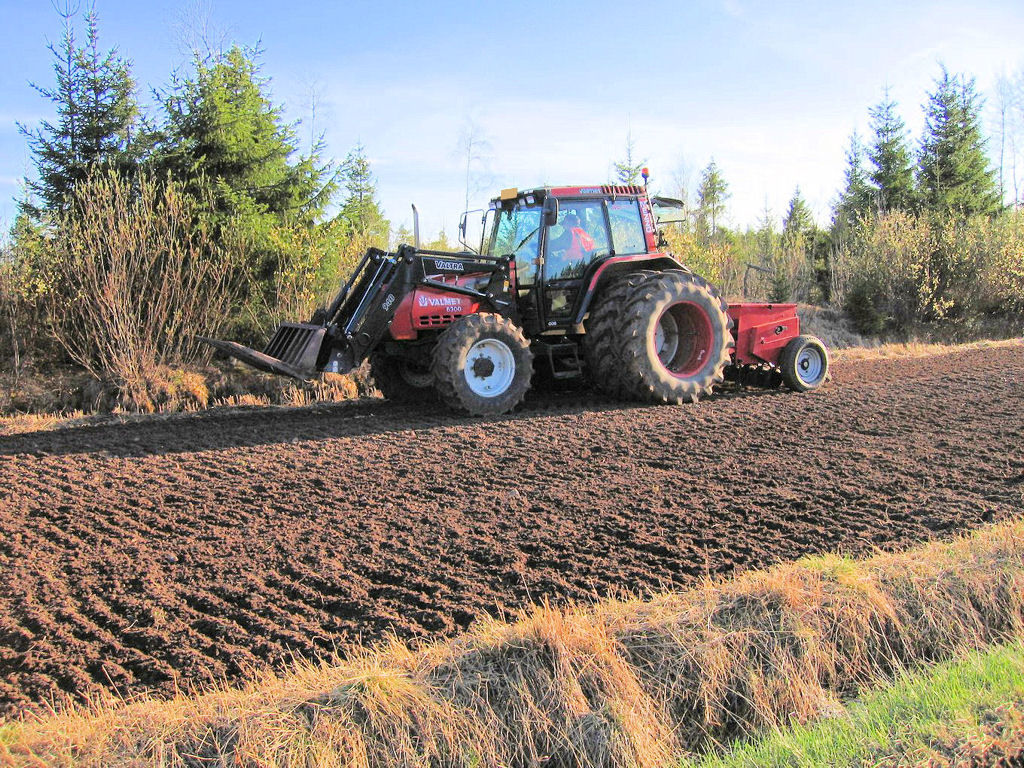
(81, 401)
(23, 423)
(831, 325)
(620, 683)
(962, 712)
(916, 349)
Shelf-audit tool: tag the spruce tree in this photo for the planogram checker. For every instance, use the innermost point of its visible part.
(711, 197)
(892, 173)
(627, 171)
(954, 174)
(856, 198)
(98, 119)
(798, 223)
(224, 134)
(766, 237)
(360, 209)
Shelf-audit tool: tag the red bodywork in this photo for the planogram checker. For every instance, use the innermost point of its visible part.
(427, 308)
(762, 330)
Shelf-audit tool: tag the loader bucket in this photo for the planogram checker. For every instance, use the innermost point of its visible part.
(294, 351)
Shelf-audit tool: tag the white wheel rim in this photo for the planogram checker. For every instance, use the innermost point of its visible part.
(809, 365)
(666, 338)
(490, 368)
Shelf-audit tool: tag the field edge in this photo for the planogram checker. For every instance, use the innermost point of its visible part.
(621, 682)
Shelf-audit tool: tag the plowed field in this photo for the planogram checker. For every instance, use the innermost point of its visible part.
(137, 557)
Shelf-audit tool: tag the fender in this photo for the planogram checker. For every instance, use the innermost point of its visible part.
(617, 264)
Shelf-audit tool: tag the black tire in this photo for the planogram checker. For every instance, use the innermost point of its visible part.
(696, 343)
(478, 351)
(601, 343)
(399, 379)
(804, 363)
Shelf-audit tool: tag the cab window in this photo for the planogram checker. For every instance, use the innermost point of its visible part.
(518, 233)
(627, 231)
(579, 237)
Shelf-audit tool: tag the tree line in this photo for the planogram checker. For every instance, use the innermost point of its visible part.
(918, 236)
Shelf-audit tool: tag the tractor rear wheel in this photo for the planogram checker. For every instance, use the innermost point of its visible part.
(804, 363)
(399, 379)
(482, 364)
(601, 343)
(674, 338)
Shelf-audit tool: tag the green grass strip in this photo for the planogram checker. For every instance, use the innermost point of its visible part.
(893, 720)
(7, 732)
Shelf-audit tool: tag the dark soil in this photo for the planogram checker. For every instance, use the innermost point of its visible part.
(143, 556)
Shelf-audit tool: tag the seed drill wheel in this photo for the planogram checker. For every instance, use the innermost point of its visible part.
(482, 364)
(673, 338)
(804, 363)
(400, 380)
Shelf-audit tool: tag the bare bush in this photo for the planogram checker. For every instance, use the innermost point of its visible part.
(138, 277)
(9, 314)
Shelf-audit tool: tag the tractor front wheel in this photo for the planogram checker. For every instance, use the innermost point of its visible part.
(482, 364)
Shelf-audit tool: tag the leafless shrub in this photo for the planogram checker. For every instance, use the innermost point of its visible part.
(138, 277)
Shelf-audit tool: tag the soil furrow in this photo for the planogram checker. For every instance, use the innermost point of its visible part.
(171, 552)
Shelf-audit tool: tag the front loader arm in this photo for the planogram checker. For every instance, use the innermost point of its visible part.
(359, 315)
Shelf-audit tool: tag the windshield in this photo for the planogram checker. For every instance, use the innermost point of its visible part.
(517, 232)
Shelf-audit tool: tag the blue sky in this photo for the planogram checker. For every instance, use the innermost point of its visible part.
(770, 91)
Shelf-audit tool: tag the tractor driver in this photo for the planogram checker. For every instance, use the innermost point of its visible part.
(574, 244)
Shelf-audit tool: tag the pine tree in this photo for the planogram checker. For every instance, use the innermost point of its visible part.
(892, 174)
(628, 170)
(360, 208)
(856, 198)
(711, 197)
(953, 170)
(98, 125)
(223, 133)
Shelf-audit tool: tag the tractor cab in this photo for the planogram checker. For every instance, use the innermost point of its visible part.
(561, 239)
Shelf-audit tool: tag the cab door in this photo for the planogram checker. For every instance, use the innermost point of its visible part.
(518, 232)
(579, 238)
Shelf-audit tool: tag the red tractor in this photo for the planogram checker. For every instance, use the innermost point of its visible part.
(568, 281)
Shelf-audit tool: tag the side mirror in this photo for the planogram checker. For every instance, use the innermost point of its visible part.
(462, 226)
(550, 211)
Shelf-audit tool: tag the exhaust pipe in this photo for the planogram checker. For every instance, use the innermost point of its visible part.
(415, 227)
